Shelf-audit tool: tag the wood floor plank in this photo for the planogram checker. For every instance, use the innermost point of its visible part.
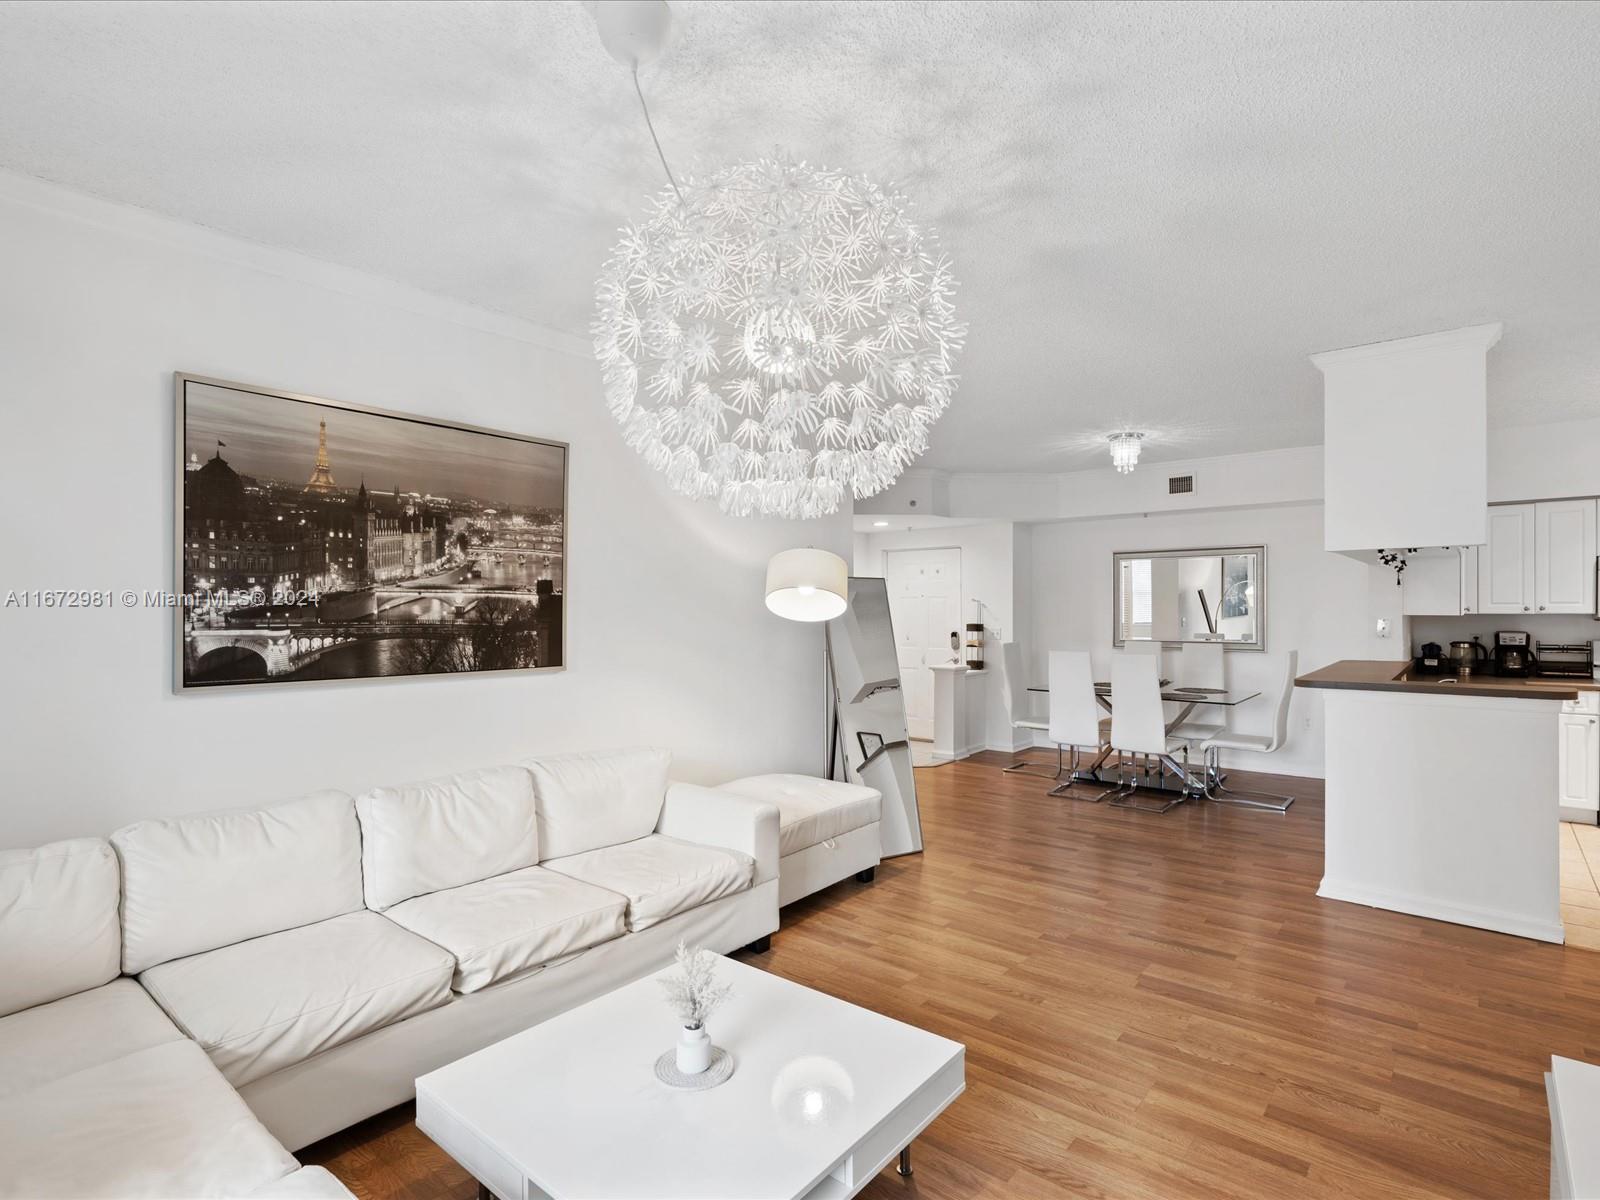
(1161, 1006)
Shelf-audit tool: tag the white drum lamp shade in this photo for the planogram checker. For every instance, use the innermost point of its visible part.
(807, 585)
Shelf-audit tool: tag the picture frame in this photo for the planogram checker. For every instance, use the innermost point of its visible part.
(286, 574)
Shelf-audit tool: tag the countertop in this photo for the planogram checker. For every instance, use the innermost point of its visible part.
(1368, 675)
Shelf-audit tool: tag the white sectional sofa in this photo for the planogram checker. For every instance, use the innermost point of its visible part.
(295, 968)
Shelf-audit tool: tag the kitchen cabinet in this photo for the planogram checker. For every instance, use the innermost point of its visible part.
(1579, 772)
(1539, 558)
(1506, 561)
(1564, 556)
(1441, 583)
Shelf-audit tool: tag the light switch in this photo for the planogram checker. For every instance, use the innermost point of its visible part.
(1383, 626)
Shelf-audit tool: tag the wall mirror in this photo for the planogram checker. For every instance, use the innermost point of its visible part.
(1176, 596)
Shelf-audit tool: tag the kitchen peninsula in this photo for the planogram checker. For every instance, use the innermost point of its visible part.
(1442, 795)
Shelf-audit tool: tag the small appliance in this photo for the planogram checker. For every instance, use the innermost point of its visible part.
(1431, 661)
(1468, 657)
(1513, 655)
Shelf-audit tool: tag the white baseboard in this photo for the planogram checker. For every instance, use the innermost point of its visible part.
(1437, 910)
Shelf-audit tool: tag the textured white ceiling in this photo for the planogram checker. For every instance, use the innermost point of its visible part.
(1156, 211)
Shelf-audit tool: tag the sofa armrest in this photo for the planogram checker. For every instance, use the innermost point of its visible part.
(717, 818)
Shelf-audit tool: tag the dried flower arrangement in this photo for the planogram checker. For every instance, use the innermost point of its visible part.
(695, 994)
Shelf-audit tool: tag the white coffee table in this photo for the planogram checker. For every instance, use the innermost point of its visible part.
(823, 1097)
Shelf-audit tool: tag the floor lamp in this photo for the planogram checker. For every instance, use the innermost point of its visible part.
(811, 585)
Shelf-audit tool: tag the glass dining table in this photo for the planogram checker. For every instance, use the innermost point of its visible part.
(1187, 699)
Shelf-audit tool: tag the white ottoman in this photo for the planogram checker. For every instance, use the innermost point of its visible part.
(826, 830)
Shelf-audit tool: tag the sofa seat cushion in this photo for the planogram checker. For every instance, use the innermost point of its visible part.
(811, 810)
(157, 1123)
(308, 1183)
(500, 927)
(59, 931)
(268, 1003)
(79, 1032)
(659, 875)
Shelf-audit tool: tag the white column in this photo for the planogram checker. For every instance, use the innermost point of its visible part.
(949, 711)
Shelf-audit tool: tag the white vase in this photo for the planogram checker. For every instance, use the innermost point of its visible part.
(694, 1050)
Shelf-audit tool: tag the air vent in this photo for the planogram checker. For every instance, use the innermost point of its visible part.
(1179, 485)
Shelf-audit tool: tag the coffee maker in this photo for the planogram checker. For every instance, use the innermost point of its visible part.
(1512, 653)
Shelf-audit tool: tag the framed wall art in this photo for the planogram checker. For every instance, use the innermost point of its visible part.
(319, 541)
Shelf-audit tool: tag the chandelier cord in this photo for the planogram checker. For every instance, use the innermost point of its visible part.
(650, 125)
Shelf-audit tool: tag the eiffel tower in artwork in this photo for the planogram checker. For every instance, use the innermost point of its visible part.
(322, 473)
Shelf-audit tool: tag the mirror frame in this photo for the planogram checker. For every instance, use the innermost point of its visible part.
(1259, 642)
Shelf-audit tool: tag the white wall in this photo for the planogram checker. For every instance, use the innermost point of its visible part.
(1317, 603)
(668, 640)
(988, 573)
(1544, 462)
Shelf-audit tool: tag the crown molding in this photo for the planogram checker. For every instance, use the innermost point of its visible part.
(1481, 336)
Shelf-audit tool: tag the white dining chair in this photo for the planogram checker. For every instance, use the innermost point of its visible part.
(1257, 743)
(1076, 719)
(1017, 706)
(1139, 727)
(1200, 665)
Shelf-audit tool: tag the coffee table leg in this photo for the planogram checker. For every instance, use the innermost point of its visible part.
(904, 1167)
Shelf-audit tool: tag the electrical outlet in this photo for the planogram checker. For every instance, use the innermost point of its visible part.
(1383, 627)
(1307, 725)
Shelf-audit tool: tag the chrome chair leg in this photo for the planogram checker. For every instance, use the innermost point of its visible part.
(1020, 767)
(1218, 794)
(1074, 778)
(1128, 795)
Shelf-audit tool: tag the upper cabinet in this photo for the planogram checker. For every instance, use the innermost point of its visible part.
(1441, 583)
(1539, 558)
(1506, 561)
(1564, 556)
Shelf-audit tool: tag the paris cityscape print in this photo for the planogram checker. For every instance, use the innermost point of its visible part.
(321, 541)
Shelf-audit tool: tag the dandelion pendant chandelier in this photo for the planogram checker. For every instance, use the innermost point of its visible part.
(777, 336)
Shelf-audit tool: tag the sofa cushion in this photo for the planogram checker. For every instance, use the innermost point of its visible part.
(58, 921)
(158, 1123)
(500, 927)
(811, 810)
(308, 1183)
(441, 833)
(659, 875)
(598, 799)
(195, 883)
(78, 1032)
(268, 1003)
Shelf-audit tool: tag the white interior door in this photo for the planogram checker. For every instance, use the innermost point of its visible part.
(925, 605)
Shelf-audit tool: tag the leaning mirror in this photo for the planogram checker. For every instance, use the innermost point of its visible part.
(871, 712)
(1177, 596)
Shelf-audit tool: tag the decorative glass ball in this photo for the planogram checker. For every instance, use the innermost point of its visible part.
(781, 336)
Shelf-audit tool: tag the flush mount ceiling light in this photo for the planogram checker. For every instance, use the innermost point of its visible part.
(1125, 450)
(774, 335)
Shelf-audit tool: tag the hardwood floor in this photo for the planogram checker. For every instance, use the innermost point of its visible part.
(1160, 1006)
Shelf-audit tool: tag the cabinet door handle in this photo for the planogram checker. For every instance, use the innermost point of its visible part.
(1524, 608)
(1541, 608)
